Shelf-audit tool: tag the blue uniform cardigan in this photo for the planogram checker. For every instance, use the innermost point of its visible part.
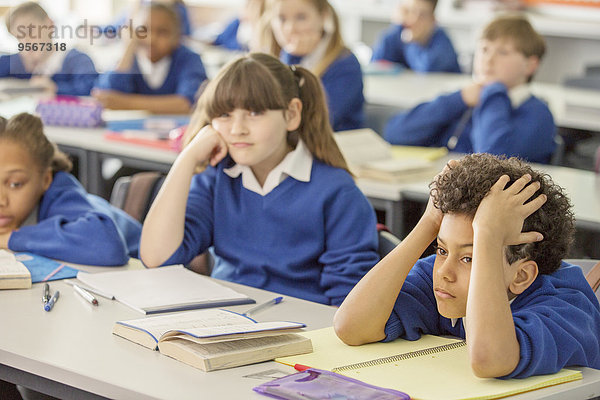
(185, 75)
(78, 227)
(228, 38)
(343, 86)
(76, 76)
(313, 240)
(437, 55)
(557, 319)
(495, 126)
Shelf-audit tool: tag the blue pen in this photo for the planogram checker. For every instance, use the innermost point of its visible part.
(48, 306)
(262, 306)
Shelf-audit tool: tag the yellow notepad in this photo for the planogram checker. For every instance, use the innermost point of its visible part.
(419, 152)
(412, 367)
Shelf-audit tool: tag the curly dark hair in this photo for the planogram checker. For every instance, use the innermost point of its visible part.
(461, 188)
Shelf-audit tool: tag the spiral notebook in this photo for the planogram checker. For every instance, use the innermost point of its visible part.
(411, 366)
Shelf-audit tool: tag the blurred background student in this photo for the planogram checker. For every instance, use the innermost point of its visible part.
(239, 33)
(495, 113)
(179, 5)
(307, 32)
(415, 41)
(156, 73)
(47, 63)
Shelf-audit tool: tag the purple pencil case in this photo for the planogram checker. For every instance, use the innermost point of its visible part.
(70, 111)
(319, 384)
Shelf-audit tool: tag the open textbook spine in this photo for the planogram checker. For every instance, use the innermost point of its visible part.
(13, 274)
(215, 339)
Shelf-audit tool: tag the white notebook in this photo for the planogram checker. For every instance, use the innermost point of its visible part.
(165, 289)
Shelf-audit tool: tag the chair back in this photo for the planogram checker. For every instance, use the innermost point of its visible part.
(387, 240)
(134, 194)
(559, 151)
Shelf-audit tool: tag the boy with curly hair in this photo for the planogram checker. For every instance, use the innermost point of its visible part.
(497, 278)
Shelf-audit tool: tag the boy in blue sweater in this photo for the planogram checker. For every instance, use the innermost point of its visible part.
(156, 73)
(497, 112)
(44, 210)
(277, 205)
(47, 64)
(497, 278)
(417, 42)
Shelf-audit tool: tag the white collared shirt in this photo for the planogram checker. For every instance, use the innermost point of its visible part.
(156, 73)
(296, 164)
(519, 94)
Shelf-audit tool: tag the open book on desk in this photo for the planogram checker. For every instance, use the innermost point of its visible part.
(13, 274)
(215, 339)
(370, 156)
(432, 367)
(164, 289)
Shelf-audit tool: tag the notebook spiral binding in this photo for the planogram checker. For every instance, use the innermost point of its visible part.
(400, 357)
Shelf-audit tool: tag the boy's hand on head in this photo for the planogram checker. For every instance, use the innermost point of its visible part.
(432, 213)
(503, 211)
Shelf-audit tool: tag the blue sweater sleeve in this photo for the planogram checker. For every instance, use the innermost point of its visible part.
(436, 56)
(351, 243)
(228, 38)
(390, 47)
(190, 76)
(112, 80)
(557, 326)
(415, 311)
(199, 219)
(4, 65)
(527, 132)
(71, 229)
(428, 124)
(77, 76)
(343, 86)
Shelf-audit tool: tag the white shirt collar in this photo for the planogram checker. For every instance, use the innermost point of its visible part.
(311, 60)
(296, 164)
(156, 73)
(519, 94)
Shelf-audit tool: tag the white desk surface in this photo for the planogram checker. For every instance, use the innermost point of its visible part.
(73, 344)
(583, 188)
(571, 107)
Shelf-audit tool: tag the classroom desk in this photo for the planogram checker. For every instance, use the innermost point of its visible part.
(71, 353)
(583, 188)
(571, 107)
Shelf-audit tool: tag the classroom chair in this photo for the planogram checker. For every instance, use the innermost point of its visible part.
(387, 240)
(134, 194)
(591, 270)
(559, 152)
(597, 161)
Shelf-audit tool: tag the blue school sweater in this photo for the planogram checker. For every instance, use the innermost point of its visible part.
(437, 55)
(343, 86)
(76, 76)
(185, 75)
(228, 38)
(495, 126)
(557, 319)
(78, 227)
(313, 240)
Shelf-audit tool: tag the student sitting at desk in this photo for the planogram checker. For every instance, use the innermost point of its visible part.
(307, 32)
(277, 203)
(496, 113)
(497, 278)
(240, 33)
(157, 73)
(46, 63)
(44, 210)
(416, 42)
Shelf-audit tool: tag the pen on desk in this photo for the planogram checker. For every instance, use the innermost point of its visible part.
(46, 295)
(262, 306)
(92, 290)
(85, 294)
(48, 306)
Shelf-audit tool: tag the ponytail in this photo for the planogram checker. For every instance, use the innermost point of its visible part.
(28, 130)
